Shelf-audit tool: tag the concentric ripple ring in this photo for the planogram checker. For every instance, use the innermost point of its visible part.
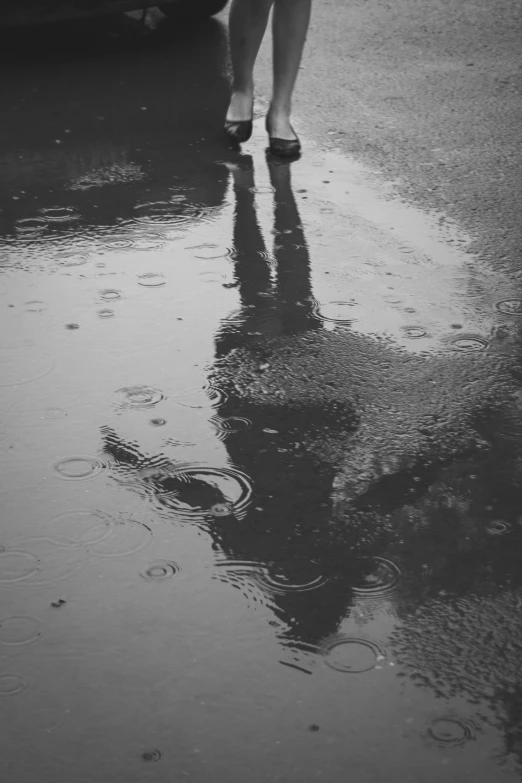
(351, 655)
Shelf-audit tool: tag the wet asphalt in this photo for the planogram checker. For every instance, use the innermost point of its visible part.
(430, 96)
(260, 429)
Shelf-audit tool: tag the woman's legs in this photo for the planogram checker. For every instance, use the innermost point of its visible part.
(247, 25)
(289, 27)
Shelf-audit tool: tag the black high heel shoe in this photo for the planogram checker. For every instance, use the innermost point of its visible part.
(238, 131)
(283, 148)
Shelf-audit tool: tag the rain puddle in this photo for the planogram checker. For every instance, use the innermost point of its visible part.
(259, 448)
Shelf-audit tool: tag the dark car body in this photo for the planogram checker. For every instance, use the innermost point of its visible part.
(122, 120)
(14, 13)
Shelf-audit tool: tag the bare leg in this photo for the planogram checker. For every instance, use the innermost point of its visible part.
(247, 25)
(289, 27)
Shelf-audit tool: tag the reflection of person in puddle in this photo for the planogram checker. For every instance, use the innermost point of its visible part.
(288, 451)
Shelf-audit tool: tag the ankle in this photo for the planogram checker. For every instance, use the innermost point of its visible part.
(279, 112)
(280, 126)
(243, 90)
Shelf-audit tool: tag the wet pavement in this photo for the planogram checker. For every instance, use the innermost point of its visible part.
(260, 446)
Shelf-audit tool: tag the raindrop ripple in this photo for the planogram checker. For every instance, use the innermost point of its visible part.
(110, 294)
(79, 468)
(414, 332)
(336, 312)
(16, 565)
(176, 211)
(127, 536)
(57, 560)
(377, 578)
(510, 306)
(230, 425)
(192, 490)
(77, 528)
(470, 343)
(151, 280)
(160, 570)
(139, 397)
(59, 214)
(498, 527)
(451, 731)
(351, 655)
(11, 684)
(19, 630)
(294, 575)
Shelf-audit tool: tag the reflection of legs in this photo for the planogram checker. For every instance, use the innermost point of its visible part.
(247, 25)
(252, 269)
(289, 28)
(291, 251)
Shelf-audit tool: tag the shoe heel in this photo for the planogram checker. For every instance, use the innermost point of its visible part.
(238, 131)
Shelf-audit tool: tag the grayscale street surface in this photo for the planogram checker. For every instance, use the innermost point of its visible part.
(261, 421)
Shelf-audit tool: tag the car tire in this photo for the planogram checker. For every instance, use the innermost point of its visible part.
(192, 10)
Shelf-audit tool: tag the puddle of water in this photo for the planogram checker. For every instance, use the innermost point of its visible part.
(293, 406)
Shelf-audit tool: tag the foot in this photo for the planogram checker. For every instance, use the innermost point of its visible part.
(283, 140)
(241, 106)
(279, 126)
